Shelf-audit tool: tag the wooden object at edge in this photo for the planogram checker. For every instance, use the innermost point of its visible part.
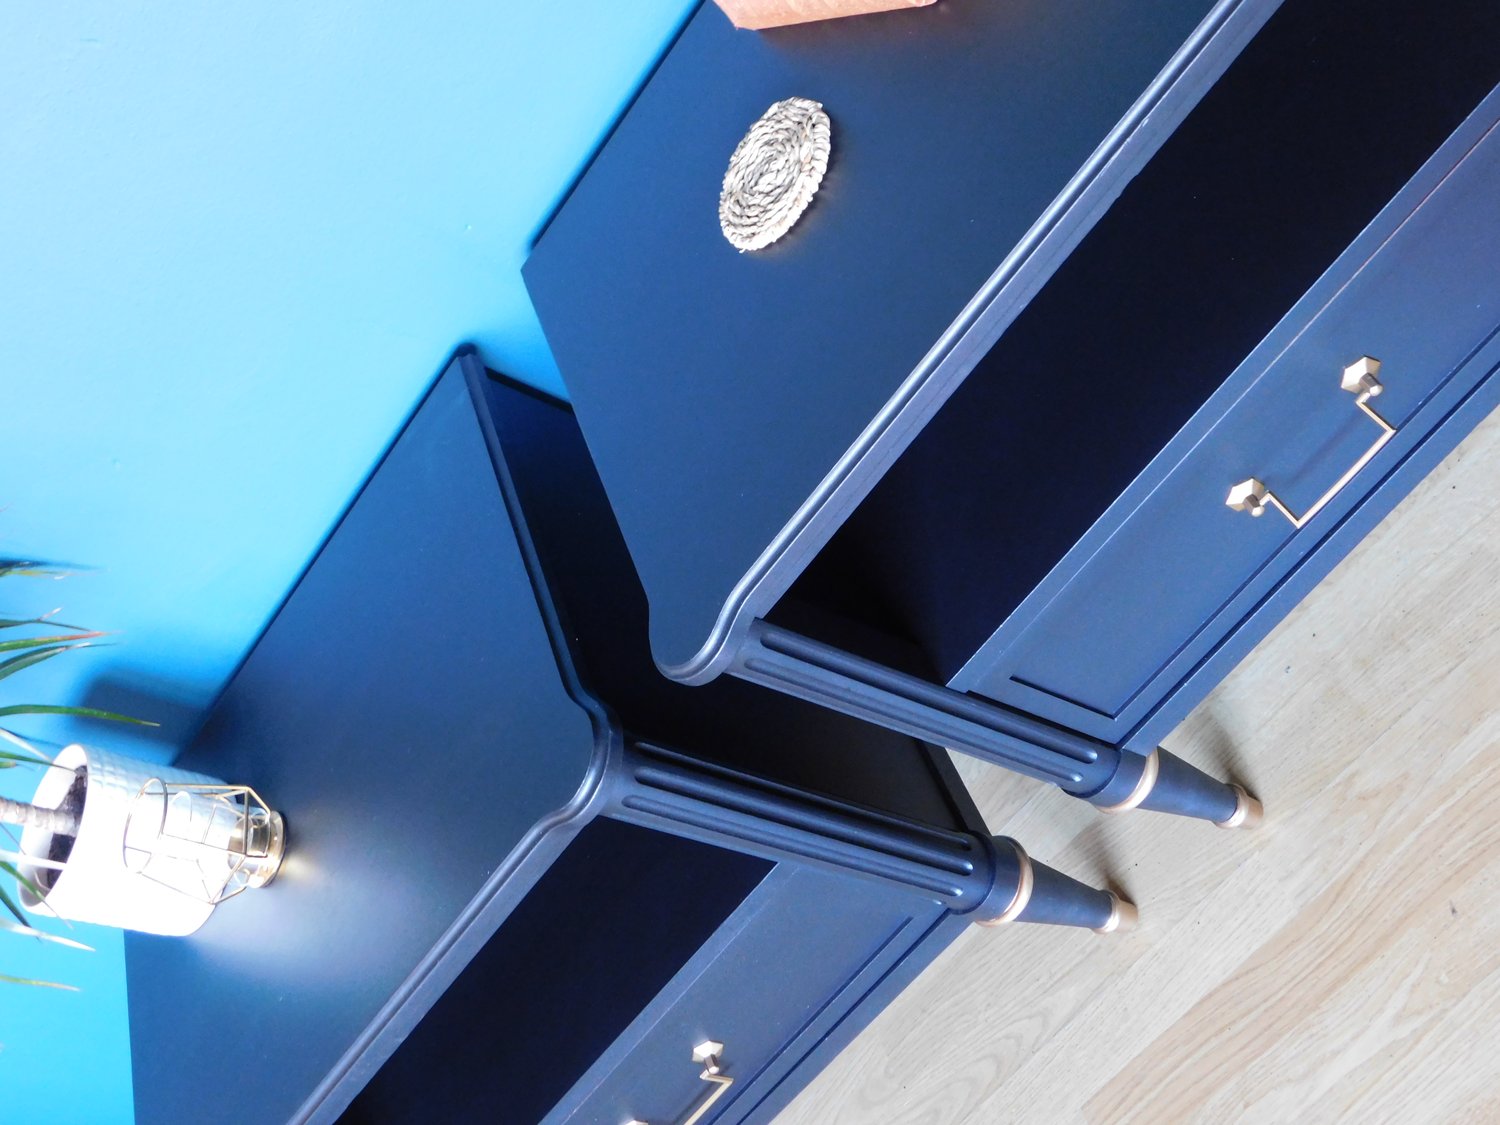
(756, 15)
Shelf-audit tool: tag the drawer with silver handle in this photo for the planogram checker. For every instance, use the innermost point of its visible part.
(1298, 436)
(723, 1042)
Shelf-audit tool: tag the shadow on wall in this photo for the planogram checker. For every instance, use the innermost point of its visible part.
(177, 709)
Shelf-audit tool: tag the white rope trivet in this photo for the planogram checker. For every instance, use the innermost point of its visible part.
(774, 173)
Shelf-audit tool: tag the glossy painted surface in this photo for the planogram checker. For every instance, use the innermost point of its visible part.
(406, 714)
(717, 390)
(798, 944)
(1055, 537)
(603, 931)
(603, 606)
(426, 638)
(1079, 411)
(1425, 303)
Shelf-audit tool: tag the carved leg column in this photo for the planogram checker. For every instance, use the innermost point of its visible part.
(1111, 778)
(990, 879)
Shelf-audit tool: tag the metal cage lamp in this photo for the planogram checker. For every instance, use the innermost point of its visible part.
(209, 842)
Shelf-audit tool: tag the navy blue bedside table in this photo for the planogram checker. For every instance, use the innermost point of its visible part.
(529, 879)
(954, 454)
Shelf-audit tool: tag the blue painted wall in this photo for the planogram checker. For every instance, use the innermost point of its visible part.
(236, 242)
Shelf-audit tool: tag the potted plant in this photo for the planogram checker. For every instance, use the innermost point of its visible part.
(111, 840)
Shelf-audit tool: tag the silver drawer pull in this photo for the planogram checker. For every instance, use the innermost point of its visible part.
(1360, 379)
(707, 1053)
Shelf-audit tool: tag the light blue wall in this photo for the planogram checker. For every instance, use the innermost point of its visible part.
(236, 242)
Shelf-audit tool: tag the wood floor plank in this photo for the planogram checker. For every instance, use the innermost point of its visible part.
(1340, 964)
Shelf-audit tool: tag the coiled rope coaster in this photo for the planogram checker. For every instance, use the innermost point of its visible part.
(774, 173)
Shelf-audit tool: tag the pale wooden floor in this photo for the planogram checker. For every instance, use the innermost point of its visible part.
(1340, 964)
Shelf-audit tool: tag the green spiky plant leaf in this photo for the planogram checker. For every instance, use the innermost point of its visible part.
(7, 979)
(17, 654)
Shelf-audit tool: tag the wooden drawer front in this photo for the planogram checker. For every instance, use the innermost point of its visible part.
(1181, 569)
(774, 981)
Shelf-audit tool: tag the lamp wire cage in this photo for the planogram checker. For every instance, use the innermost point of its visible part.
(206, 841)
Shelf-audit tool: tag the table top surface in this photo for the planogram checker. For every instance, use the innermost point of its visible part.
(416, 710)
(406, 713)
(724, 394)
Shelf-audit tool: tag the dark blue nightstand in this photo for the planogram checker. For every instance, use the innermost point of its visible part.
(953, 455)
(527, 876)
